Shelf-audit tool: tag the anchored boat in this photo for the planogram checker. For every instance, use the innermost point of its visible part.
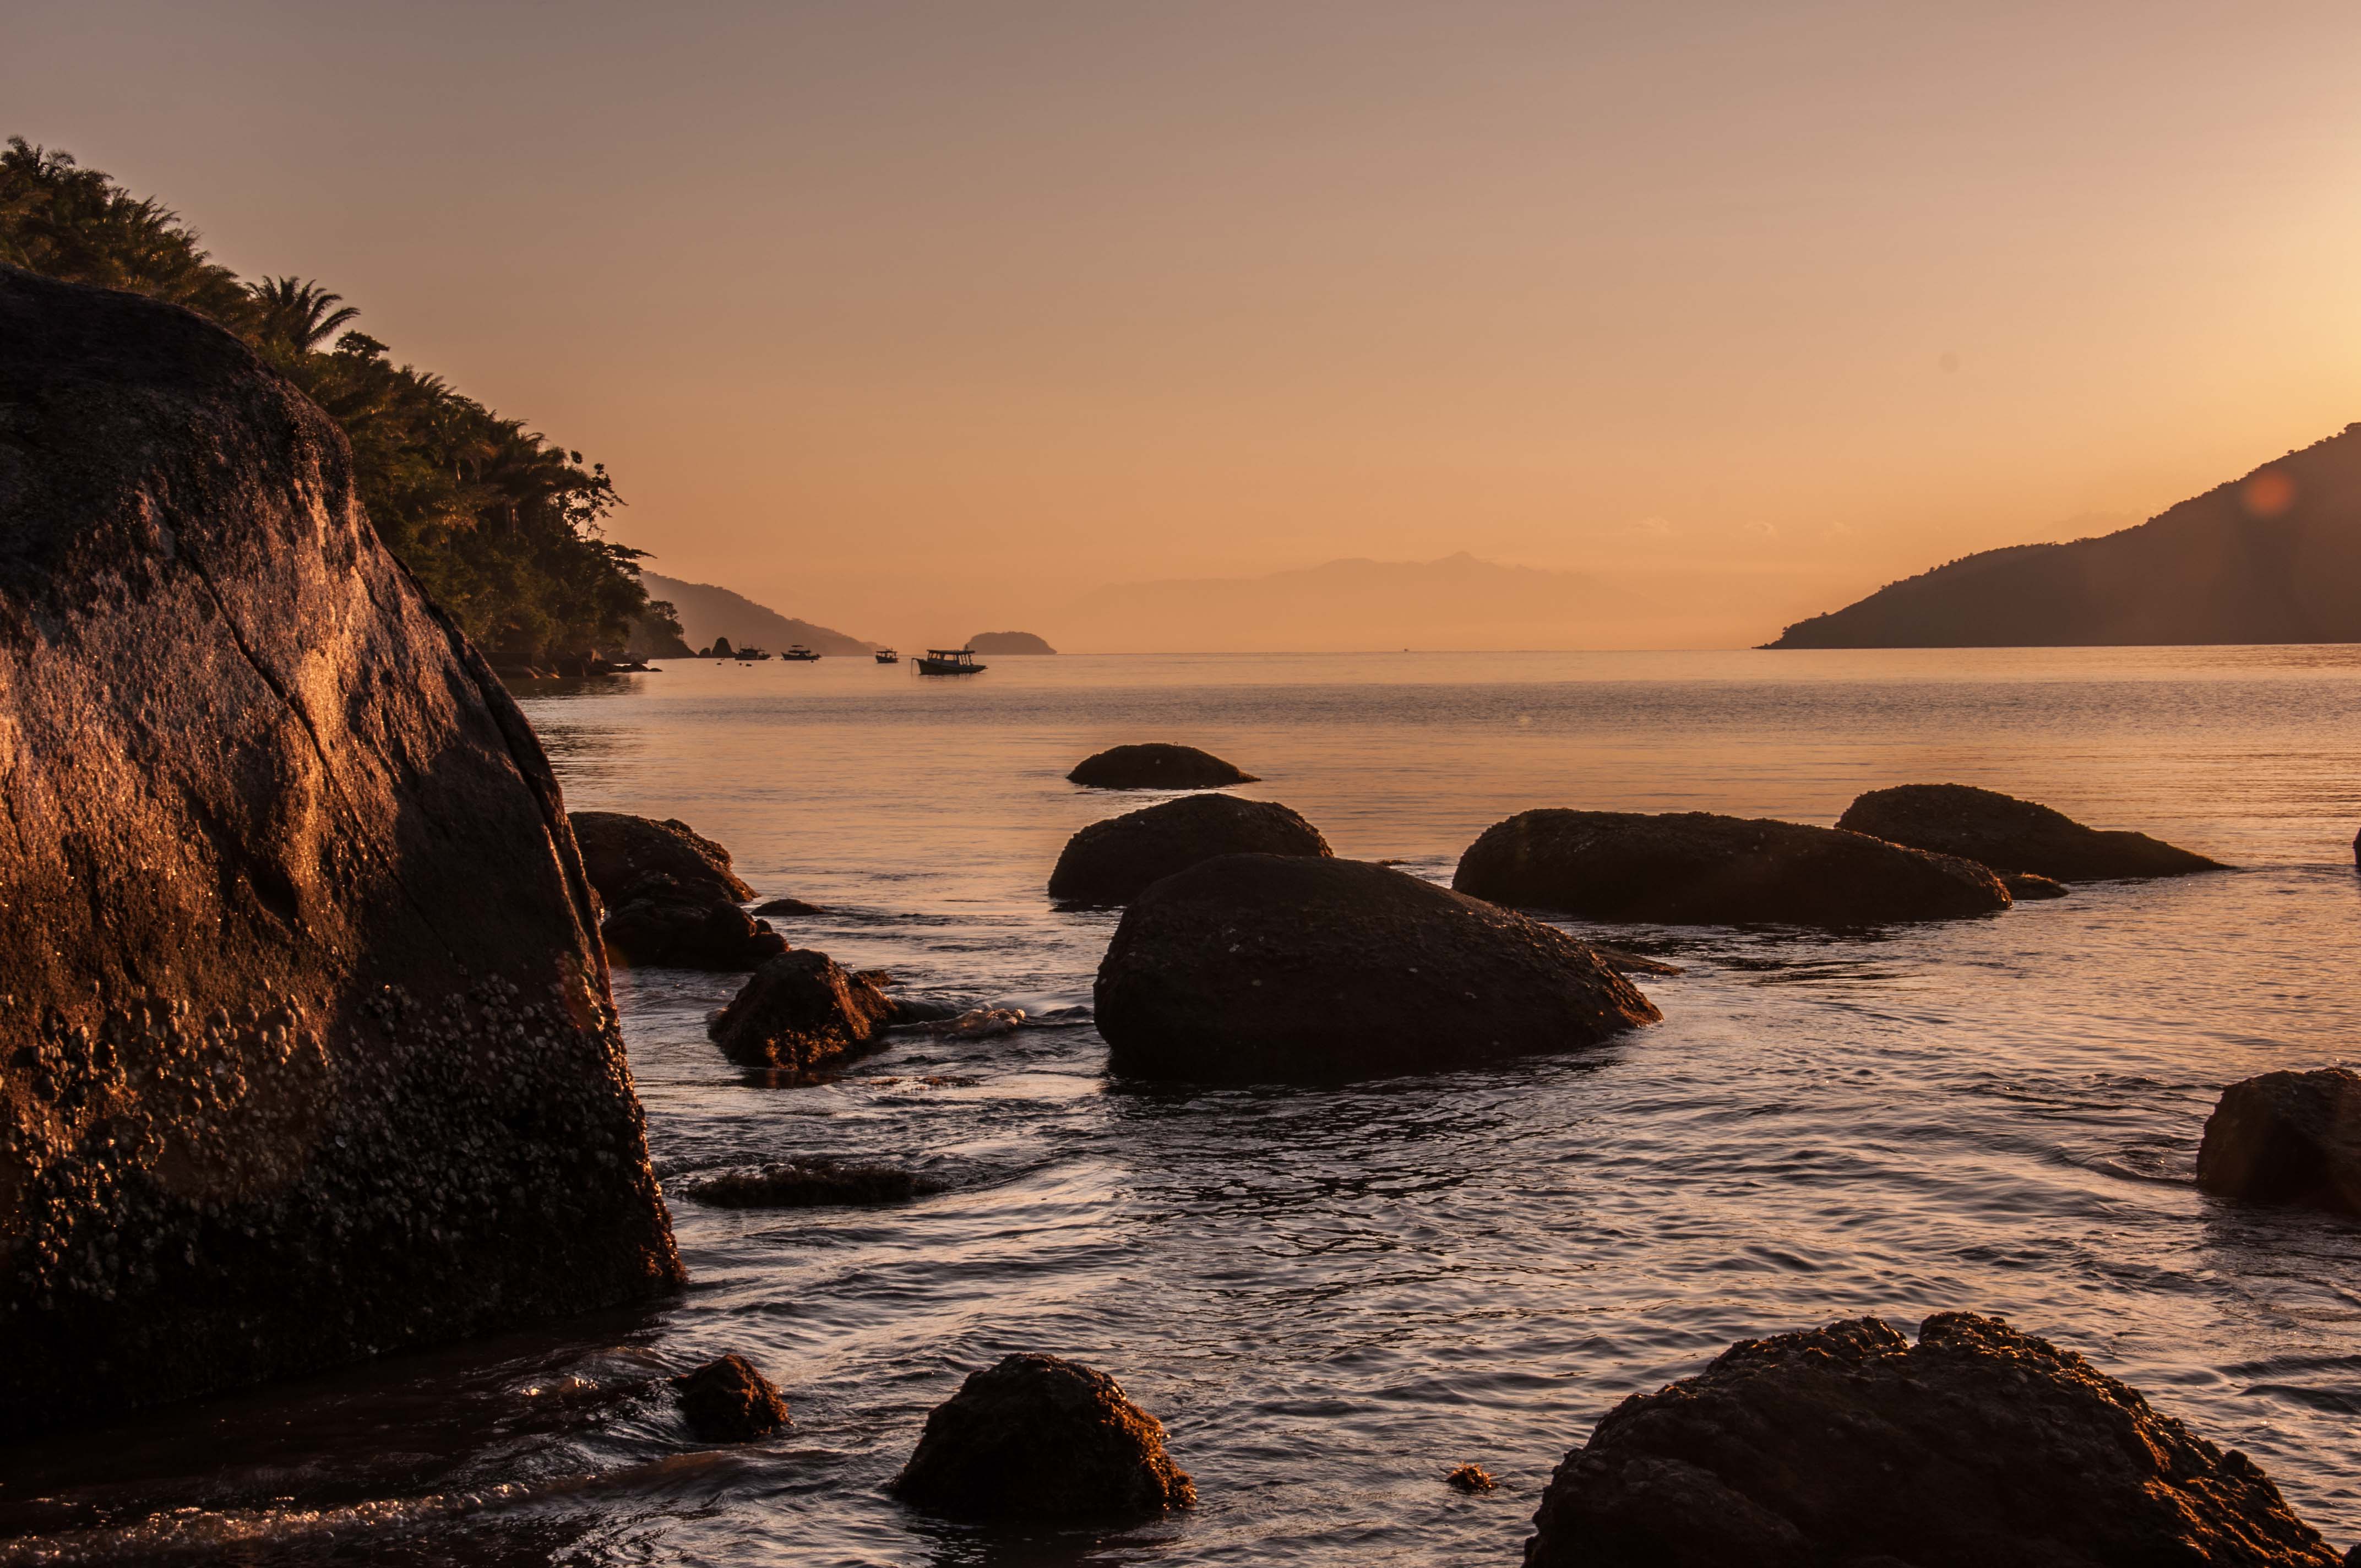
(949, 661)
(887, 656)
(799, 654)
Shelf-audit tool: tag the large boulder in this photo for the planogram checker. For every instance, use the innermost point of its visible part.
(626, 855)
(1979, 1447)
(1155, 765)
(1693, 868)
(1278, 968)
(2286, 1137)
(1110, 862)
(2012, 835)
(678, 930)
(306, 1050)
(802, 1011)
(730, 1400)
(1040, 1438)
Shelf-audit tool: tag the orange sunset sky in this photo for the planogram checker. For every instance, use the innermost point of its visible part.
(918, 320)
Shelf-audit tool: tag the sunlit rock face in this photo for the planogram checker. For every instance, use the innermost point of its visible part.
(306, 1051)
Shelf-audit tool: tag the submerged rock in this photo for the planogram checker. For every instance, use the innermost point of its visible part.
(806, 1184)
(1111, 861)
(2012, 835)
(626, 856)
(677, 931)
(791, 906)
(306, 1052)
(2024, 885)
(1040, 1438)
(1694, 867)
(1472, 1479)
(1285, 967)
(799, 1011)
(1155, 765)
(729, 1400)
(2286, 1137)
(1847, 1445)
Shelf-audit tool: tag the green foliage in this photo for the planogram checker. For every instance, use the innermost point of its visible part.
(504, 529)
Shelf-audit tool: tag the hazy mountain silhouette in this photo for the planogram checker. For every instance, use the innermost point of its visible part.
(2273, 557)
(1458, 601)
(706, 612)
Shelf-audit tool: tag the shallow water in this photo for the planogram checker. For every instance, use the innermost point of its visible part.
(1331, 1297)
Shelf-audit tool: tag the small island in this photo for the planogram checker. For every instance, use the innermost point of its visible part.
(1008, 643)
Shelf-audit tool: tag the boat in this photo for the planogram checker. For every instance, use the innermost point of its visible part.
(949, 661)
(799, 654)
(748, 656)
(887, 656)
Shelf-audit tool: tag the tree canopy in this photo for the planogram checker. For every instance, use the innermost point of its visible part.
(503, 528)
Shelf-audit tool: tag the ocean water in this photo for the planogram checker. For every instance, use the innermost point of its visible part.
(1331, 1297)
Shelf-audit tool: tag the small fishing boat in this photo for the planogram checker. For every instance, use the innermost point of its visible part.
(949, 661)
(748, 656)
(799, 654)
(887, 656)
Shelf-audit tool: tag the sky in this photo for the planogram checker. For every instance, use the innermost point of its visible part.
(919, 320)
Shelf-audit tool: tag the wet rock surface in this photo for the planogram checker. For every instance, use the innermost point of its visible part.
(1155, 765)
(806, 1184)
(306, 1051)
(788, 907)
(729, 1400)
(1979, 1446)
(2286, 1137)
(627, 856)
(2026, 887)
(683, 931)
(1040, 1438)
(1695, 868)
(1273, 968)
(1111, 861)
(2012, 835)
(802, 1011)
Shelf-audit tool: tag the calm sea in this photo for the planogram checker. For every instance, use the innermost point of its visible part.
(1332, 1297)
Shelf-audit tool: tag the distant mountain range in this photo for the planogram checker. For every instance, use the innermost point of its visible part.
(1458, 601)
(2272, 557)
(706, 612)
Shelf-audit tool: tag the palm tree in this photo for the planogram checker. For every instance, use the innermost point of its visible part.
(297, 317)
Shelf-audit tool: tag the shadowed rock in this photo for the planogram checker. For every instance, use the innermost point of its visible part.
(799, 1011)
(685, 931)
(625, 855)
(2024, 886)
(729, 1401)
(1110, 862)
(306, 1052)
(1693, 868)
(791, 906)
(2286, 1137)
(806, 1184)
(1979, 1446)
(1272, 968)
(2012, 835)
(1155, 765)
(1040, 1438)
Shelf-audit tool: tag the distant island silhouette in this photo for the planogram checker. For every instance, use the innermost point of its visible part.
(2272, 557)
(706, 612)
(1008, 643)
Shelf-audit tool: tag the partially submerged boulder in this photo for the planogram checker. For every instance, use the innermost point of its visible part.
(306, 1050)
(1111, 861)
(808, 1183)
(788, 907)
(1155, 765)
(625, 855)
(2012, 835)
(1848, 1445)
(1273, 968)
(1040, 1438)
(2024, 886)
(802, 1011)
(2286, 1137)
(1694, 867)
(681, 931)
(730, 1400)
